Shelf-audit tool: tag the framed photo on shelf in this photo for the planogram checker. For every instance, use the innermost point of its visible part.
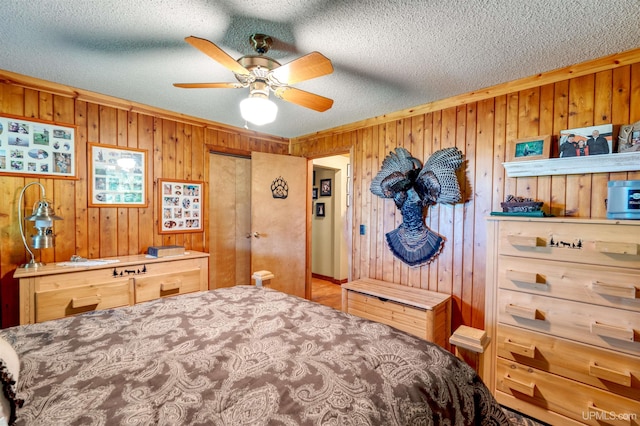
(180, 204)
(320, 209)
(629, 138)
(117, 176)
(31, 147)
(586, 141)
(325, 187)
(531, 148)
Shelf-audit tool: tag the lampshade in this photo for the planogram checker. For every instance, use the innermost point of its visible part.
(43, 216)
(258, 109)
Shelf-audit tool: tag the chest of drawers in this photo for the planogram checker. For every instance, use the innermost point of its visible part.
(563, 315)
(423, 313)
(54, 291)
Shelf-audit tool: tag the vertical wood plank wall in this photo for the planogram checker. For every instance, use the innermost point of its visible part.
(480, 125)
(176, 147)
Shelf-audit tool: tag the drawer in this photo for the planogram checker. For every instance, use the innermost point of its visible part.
(603, 326)
(149, 287)
(597, 367)
(574, 400)
(78, 278)
(64, 302)
(403, 317)
(615, 287)
(602, 243)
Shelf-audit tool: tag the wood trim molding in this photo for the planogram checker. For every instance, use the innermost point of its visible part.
(216, 149)
(602, 64)
(330, 279)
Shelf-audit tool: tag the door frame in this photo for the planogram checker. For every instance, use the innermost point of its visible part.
(348, 216)
(212, 149)
(309, 210)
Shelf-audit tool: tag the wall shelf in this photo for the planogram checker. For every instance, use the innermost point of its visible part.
(623, 162)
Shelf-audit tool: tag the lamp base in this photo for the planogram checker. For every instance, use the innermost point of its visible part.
(32, 265)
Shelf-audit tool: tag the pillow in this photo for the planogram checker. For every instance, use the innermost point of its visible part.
(9, 373)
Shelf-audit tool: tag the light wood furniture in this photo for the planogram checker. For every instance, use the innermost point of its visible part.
(55, 291)
(470, 344)
(423, 313)
(563, 315)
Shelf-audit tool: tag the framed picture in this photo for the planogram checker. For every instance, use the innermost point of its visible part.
(325, 187)
(37, 147)
(315, 193)
(320, 209)
(180, 204)
(117, 176)
(533, 148)
(629, 138)
(594, 140)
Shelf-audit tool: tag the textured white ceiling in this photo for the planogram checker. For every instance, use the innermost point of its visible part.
(388, 55)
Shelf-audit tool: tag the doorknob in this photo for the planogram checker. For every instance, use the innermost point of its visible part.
(256, 234)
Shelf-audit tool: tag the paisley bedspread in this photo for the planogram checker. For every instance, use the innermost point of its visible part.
(239, 356)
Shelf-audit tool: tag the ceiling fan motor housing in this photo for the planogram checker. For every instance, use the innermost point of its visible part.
(258, 66)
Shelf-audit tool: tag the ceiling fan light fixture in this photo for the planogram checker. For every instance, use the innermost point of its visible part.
(258, 109)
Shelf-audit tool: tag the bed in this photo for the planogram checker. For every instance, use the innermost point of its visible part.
(239, 356)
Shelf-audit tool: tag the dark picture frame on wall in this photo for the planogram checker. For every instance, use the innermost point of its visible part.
(320, 209)
(325, 187)
(314, 193)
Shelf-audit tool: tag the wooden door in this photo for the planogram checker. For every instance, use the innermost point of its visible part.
(279, 225)
(230, 221)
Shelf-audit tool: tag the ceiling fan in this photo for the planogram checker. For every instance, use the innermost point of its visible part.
(262, 74)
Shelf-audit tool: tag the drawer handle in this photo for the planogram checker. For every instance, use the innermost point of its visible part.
(520, 349)
(82, 302)
(617, 248)
(522, 311)
(525, 277)
(619, 377)
(620, 290)
(172, 285)
(518, 240)
(612, 331)
(525, 388)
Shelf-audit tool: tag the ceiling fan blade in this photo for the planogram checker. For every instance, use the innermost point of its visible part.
(208, 85)
(217, 54)
(304, 68)
(305, 99)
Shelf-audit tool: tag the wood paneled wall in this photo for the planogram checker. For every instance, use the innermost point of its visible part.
(480, 125)
(177, 147)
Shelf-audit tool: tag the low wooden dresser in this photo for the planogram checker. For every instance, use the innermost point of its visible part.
(53, 291)
(423, 313)
(563, 315)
